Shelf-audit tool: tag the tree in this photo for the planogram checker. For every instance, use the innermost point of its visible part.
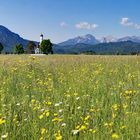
(1, 48)
(19, 49)
(31, 47)
(46, 47)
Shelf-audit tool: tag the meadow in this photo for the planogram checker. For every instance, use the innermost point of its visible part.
(69, 97)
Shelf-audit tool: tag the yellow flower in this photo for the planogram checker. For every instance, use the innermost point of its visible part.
(33, 58)
(58, 136)
(92, 130)
(47, 114)
(41, 138)
(55, 114)
(87, 118)
(41, 117)
(49, 103)
(2, 121)
(43, 131)
(33, 100)
(115, 136)
(56, 119)
(115, 107)
(123, 127)
(106, 124)
(83, 127)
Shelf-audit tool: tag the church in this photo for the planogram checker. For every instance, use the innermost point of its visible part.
(37, 49)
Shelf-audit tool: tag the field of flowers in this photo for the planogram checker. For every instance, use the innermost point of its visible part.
(69, 97)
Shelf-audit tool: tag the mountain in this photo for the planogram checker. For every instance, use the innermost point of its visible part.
(106, 45)
(87, 39)
(127, 47)
(108, 39)
(9, 39)
(91, 40)
(135, 39)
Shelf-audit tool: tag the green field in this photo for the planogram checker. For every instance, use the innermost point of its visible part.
(69, 97)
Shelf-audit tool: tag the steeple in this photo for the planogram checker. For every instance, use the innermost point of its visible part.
(41, 38)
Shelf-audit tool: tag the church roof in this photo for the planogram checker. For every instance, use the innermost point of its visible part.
(41, 35)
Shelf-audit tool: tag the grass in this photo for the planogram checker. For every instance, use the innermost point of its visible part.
(69, 97)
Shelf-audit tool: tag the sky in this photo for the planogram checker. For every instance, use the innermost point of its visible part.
(60, 20)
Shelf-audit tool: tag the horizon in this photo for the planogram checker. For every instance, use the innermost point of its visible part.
(63, 20)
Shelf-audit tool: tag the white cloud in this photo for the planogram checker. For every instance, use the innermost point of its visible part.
(126, 22)
(86, 25)
(63, 24)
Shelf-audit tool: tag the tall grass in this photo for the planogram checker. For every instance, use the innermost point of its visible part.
(69, 97)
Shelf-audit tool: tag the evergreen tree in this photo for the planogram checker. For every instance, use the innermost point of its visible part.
(19, 49)
(1, 48)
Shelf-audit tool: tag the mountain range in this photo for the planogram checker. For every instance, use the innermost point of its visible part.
(91, 40)
(105, 45)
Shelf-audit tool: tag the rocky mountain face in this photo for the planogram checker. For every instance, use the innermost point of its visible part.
(87, 39)
(135, 39)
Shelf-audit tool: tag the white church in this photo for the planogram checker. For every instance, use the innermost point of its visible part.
(37, 49)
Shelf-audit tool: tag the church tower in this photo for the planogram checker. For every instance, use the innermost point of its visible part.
(41, 38)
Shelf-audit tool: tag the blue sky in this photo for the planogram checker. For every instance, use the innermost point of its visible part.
(63, 19)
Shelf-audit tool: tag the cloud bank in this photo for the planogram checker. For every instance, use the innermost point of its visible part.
(86, 25)
(127, 22)
(63, 24)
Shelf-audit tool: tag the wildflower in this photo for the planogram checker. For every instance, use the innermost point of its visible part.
(43, 131)
(57, 104)
(75, 132)
(33, 100)
(110, 124)
(75, 94)
(33, 58)
(56, 119)
(2, 121)
(83, 127)
(55, 114)
(115, 136)
(25, 119)
(41, 117)
(93, 131)
(47, 113)
(18, 104)
(123, 127)
(106, 124)
(87, 117)
(49, 103)
(115, 107)
(60, 111)
(41, 138)
(63, 124)
(4, 136)
(78, 107)
(77, 98)
(58, 136)
(42, 110)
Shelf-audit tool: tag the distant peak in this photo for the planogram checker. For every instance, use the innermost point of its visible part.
(89, 35)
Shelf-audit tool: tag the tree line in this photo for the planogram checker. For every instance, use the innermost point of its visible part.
(45, 48)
